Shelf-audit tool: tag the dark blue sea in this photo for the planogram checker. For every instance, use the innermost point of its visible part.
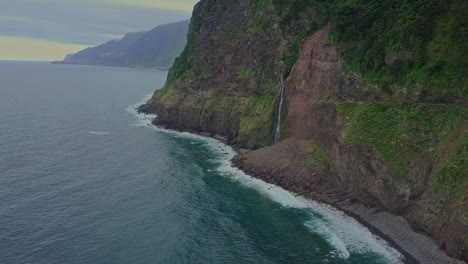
(84, 179)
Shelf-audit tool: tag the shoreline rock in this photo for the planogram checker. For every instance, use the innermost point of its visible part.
(264, 164)
(416, 247)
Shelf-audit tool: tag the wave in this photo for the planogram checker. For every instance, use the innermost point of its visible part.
(100, 133)
(143, 120)
(344, 233)
(319, 227)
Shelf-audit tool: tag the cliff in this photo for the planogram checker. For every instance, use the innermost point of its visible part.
(375, 101)
(156, 48)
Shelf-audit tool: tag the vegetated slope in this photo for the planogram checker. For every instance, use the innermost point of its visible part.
(378, 88)
(156, 48)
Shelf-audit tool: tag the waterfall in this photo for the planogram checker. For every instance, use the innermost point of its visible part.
(277, 128)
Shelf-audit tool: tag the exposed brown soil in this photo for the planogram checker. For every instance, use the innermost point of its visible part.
(359, 182)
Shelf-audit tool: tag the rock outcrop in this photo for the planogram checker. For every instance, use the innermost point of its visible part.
(228, 76)
(315, 160)
(367, 133)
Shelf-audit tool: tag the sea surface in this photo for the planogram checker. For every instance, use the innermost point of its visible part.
(84, 179)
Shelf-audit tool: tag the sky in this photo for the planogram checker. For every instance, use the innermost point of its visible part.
(47, 30)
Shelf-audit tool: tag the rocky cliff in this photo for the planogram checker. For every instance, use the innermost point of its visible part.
(375, 100)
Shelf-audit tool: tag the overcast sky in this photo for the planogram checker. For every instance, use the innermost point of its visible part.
(50, 29)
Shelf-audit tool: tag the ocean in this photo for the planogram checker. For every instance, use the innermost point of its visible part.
(85, 179)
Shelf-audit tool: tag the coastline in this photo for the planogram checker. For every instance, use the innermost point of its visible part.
(415, 247)
(102, 65)
(395, 230)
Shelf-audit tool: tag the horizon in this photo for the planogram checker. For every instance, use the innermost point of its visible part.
(52, 29)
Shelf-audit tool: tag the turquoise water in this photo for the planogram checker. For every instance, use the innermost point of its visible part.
(84, 179)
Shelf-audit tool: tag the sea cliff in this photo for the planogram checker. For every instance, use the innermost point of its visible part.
(156, 48)
(374, 111)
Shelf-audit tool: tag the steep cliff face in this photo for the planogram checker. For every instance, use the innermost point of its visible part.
(378, 126)
(397, 155)
(227, 78)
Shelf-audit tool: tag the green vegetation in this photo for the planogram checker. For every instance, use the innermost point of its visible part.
(255, 113)
(453, 177)
(200, 56)
(403, 46)
(246, 73)
(403, 42)
(257, 120)
(410, 54)
(402, 133)
(262, 23)
(299, 19)
(318, 159)
(170, 97)
(184, 62)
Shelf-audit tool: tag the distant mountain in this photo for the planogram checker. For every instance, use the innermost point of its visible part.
(156, 48)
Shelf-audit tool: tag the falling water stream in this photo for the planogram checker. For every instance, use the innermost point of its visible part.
(277, 130)
(98, 184)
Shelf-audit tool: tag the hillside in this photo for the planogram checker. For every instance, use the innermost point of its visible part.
(156, 48)
(375, 101)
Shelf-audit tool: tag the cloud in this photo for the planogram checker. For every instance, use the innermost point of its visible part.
(83, 22)
(183, 5)
(30, 49)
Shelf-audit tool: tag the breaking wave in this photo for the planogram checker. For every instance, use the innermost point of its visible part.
(345, 234)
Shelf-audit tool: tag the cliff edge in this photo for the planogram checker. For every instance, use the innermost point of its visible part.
(369, 99)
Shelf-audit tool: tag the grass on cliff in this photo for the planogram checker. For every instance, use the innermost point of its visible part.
(403, 46)
(256, 123)
(405, 42)
(255, 113)
(299, 19)
(453, 176)
(184, 64)
(318, 159)
(403, 133)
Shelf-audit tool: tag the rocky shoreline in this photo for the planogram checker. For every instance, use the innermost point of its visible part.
(415, 246)
(371, 126)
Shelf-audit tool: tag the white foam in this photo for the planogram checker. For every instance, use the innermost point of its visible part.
(342, 232)
(146, 120)
(142, 119)
(319, 227)
(100, 133)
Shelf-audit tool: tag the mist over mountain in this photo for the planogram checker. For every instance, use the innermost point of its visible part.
(156, 48)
